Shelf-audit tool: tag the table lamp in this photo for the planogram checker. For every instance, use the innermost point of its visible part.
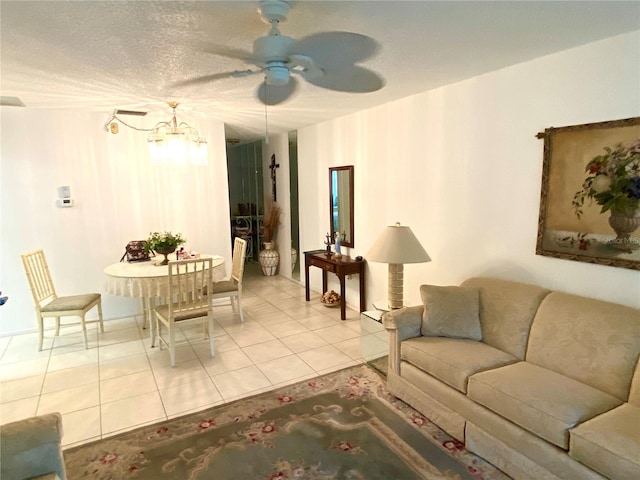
(396, 246)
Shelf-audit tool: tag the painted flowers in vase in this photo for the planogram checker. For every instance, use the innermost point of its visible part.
(613, 182)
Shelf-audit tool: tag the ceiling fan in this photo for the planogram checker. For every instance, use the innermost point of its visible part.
(326, 59)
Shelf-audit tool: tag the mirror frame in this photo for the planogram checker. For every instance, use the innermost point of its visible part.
(349, 169)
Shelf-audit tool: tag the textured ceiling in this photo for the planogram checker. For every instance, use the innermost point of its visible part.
(99, 56)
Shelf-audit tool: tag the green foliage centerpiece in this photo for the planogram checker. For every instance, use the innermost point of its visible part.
(164, 243)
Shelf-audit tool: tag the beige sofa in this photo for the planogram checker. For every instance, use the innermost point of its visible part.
(30, 449)
(540, 383)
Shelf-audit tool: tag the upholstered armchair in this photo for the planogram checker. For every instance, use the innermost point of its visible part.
(30, 449)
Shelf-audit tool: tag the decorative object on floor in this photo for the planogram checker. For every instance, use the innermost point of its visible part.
(330, 299)
(49, 304)
(164, 243)
(169, 142)
(188, 302)
(591, 187)
(232, 287)
(396, 246)
(31, 448)
(269, 259)
(341, 425)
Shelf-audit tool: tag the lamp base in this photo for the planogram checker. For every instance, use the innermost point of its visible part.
(396, 280)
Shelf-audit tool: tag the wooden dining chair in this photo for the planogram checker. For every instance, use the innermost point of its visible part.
(49, 304)
(232, 287)
(187, 302)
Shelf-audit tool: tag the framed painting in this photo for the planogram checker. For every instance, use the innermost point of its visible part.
(590, 197)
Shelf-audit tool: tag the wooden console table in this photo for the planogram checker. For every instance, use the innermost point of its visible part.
(341, 267)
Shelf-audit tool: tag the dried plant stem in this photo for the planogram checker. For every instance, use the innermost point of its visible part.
(271, 224)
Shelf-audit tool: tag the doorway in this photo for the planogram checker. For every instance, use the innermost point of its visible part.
(246, 195)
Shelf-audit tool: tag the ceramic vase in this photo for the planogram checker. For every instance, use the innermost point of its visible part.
(269, 259)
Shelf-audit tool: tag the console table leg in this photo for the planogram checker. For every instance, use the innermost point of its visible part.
(306, 281)
(324, 281)
(343, 299)
(363, 303)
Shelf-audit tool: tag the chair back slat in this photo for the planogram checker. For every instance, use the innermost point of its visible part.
(189, 280)
(38, 275)
(239, 253)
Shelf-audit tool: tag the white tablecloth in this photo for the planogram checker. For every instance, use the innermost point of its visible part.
(146, 279)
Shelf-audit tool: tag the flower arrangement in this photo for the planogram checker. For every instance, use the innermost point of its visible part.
(165, 241)
(330, 298)
(613, 180)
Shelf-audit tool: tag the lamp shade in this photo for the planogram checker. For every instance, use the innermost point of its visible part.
(397, 245)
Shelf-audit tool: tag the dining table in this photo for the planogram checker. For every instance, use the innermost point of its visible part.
(149, 281)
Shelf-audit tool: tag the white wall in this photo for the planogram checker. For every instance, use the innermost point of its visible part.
(462, 167)
(119, 197)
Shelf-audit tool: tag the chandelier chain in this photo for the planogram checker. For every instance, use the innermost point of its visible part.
(115, 117)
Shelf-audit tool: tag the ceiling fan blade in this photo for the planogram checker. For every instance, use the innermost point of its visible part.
(214, 76)
(275, 94)
(354, 79)
(230, 52)
(331, 50)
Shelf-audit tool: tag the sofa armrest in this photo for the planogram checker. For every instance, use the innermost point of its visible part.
(32, 447)
(401, 324)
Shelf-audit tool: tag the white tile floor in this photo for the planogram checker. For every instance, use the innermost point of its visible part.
(120, 383)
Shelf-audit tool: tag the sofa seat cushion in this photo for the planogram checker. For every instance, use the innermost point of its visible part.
(610, 443)
(541, 401)
(452, 360)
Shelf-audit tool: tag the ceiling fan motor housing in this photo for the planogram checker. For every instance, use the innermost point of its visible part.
(272, 48)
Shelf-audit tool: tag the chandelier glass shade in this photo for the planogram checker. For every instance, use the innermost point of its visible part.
(176, 143)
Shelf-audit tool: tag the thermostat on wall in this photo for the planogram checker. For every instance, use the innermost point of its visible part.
(64, 197)
(64, 202)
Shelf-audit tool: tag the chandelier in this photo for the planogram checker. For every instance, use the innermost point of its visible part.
(169, 142)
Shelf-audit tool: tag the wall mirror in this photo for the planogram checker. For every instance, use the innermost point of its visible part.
(341, 197)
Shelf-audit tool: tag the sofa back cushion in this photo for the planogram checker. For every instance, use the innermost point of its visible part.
(592, 341)
(506, 311)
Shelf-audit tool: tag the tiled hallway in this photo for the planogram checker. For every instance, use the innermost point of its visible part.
(120, 382)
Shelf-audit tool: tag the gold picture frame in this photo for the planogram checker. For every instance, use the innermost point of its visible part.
(589, 185)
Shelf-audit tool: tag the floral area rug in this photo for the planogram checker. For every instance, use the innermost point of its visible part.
(343, 425)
